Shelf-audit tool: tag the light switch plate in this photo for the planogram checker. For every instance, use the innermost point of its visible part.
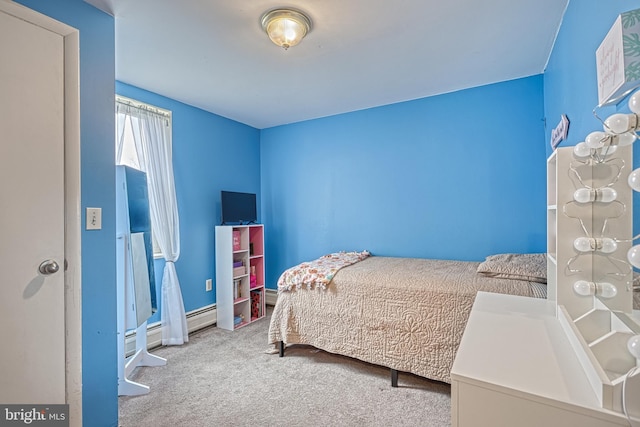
(94, 218)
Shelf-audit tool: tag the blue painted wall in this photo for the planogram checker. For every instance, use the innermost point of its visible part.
(456, 176)
(570, 81)
(210, 154)
(97, 81)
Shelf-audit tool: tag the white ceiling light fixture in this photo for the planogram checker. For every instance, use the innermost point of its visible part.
(286, 27)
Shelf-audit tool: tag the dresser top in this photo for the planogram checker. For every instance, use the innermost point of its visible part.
(516, 345)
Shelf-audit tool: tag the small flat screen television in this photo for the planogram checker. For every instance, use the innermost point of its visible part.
(238, 208)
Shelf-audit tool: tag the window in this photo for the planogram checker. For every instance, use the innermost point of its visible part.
(127, 153)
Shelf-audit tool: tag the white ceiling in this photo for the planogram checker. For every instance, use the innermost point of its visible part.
(213, 54)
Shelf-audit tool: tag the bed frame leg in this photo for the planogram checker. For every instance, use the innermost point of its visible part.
(394, 378)
(281, 348)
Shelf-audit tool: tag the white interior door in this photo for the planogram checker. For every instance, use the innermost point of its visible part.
(32, 217)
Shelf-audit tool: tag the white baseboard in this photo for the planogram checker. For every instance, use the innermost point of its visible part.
(270, 296)
(196, 319)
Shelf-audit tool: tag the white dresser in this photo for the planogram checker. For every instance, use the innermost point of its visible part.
(515, 367)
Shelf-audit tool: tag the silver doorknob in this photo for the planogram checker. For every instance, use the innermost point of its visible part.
(48, 267)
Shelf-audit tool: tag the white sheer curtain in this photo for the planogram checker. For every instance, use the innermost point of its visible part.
(152, 136)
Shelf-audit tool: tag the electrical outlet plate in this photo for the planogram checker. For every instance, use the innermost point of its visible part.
(209, 285)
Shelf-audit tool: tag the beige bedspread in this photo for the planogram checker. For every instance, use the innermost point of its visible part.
(407, 314)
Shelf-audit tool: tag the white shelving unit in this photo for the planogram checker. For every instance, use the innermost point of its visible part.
(595, 327)
(563, 228)
(239, 257)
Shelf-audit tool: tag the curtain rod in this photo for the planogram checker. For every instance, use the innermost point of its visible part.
(142, 106)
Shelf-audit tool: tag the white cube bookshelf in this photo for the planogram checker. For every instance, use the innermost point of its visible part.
(239, 256)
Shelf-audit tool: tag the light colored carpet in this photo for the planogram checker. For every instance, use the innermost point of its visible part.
(223, 378)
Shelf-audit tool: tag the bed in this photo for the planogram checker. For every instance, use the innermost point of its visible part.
(407, 314)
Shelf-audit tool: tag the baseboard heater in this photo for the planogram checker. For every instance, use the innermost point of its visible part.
(196, 319)
(270, 296)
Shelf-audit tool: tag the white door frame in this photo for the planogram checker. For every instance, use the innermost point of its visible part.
(72, 243)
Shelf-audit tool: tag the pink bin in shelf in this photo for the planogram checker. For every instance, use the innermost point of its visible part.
(236, 240)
